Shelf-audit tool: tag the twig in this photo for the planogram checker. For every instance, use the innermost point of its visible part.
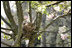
(6, 33)
(30, 15)
(56, 19)
(54, 3)
(6, 28)
(5, 21)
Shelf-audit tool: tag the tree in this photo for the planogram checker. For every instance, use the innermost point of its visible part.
(40, 8)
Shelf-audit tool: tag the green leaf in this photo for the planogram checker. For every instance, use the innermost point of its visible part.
(39, 37)
(39, 5)
(54, 6)
(21, 1)
(60, 5)
(4, 36)
(1, 22)
(49, 2)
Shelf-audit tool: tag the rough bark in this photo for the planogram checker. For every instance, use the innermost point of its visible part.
(17, 42)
